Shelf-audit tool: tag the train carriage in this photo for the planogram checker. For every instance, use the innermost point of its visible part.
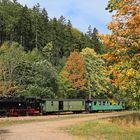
(105, 105)
(63, 105)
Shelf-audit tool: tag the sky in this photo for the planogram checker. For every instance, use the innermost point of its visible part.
(81, 13)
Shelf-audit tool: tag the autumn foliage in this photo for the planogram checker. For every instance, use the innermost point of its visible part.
(125, 25)
(74, 70)
(123, 48)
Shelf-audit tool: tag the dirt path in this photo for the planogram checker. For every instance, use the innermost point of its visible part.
(48, 130)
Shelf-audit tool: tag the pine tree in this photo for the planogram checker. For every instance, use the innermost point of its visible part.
(24, 29)
(97, 46)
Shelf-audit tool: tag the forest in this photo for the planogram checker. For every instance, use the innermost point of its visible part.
(47, 57)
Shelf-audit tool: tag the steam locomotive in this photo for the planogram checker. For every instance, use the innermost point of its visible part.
(19, 106)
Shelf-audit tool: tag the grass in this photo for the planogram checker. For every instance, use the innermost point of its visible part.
(129, 120)
(107, 129)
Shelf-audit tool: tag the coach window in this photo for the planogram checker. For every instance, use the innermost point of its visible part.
(99, 103)
(103, 102)
(95, 103)
(51, 103)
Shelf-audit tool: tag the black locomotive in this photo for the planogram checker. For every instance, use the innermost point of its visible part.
(19, 106)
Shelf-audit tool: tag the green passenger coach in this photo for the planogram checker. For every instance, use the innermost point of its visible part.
(105, 105)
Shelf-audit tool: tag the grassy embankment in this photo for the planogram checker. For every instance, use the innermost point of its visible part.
(117, 128)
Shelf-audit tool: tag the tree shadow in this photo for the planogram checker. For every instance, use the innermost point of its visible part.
(4, 132)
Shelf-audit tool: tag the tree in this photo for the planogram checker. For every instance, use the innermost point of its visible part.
(124, 47)
(113, 5)
(64, 86)
(89, 32)
(126, 22)
(9, 19)
(94, 41)
(48, 52)
(95, 73)
(32, 28)
(24, 29)
(36, 76)
(74, 72)
(10, 58)
(44, 81)
(74, 68)
(23, 73)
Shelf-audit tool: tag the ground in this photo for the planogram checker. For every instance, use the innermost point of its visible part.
(47, 130)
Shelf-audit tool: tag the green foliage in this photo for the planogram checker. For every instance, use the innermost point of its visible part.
(48, 47)
(10, 58)
(48, 51)
(64, 86)
(95, 73)
(84, 76)
(113, 5)
(39, 76)
(94, 41)
(45, 41)
(26, 73)
(32, 28)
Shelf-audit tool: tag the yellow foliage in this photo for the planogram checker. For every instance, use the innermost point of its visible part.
(88, 51)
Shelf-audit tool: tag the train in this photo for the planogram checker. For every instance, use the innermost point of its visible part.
(24, 106)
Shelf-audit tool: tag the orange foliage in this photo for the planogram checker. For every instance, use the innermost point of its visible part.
(123, 44)
(126, 24)
(74, 70)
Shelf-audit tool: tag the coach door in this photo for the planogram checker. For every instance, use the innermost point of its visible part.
(60, 105)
